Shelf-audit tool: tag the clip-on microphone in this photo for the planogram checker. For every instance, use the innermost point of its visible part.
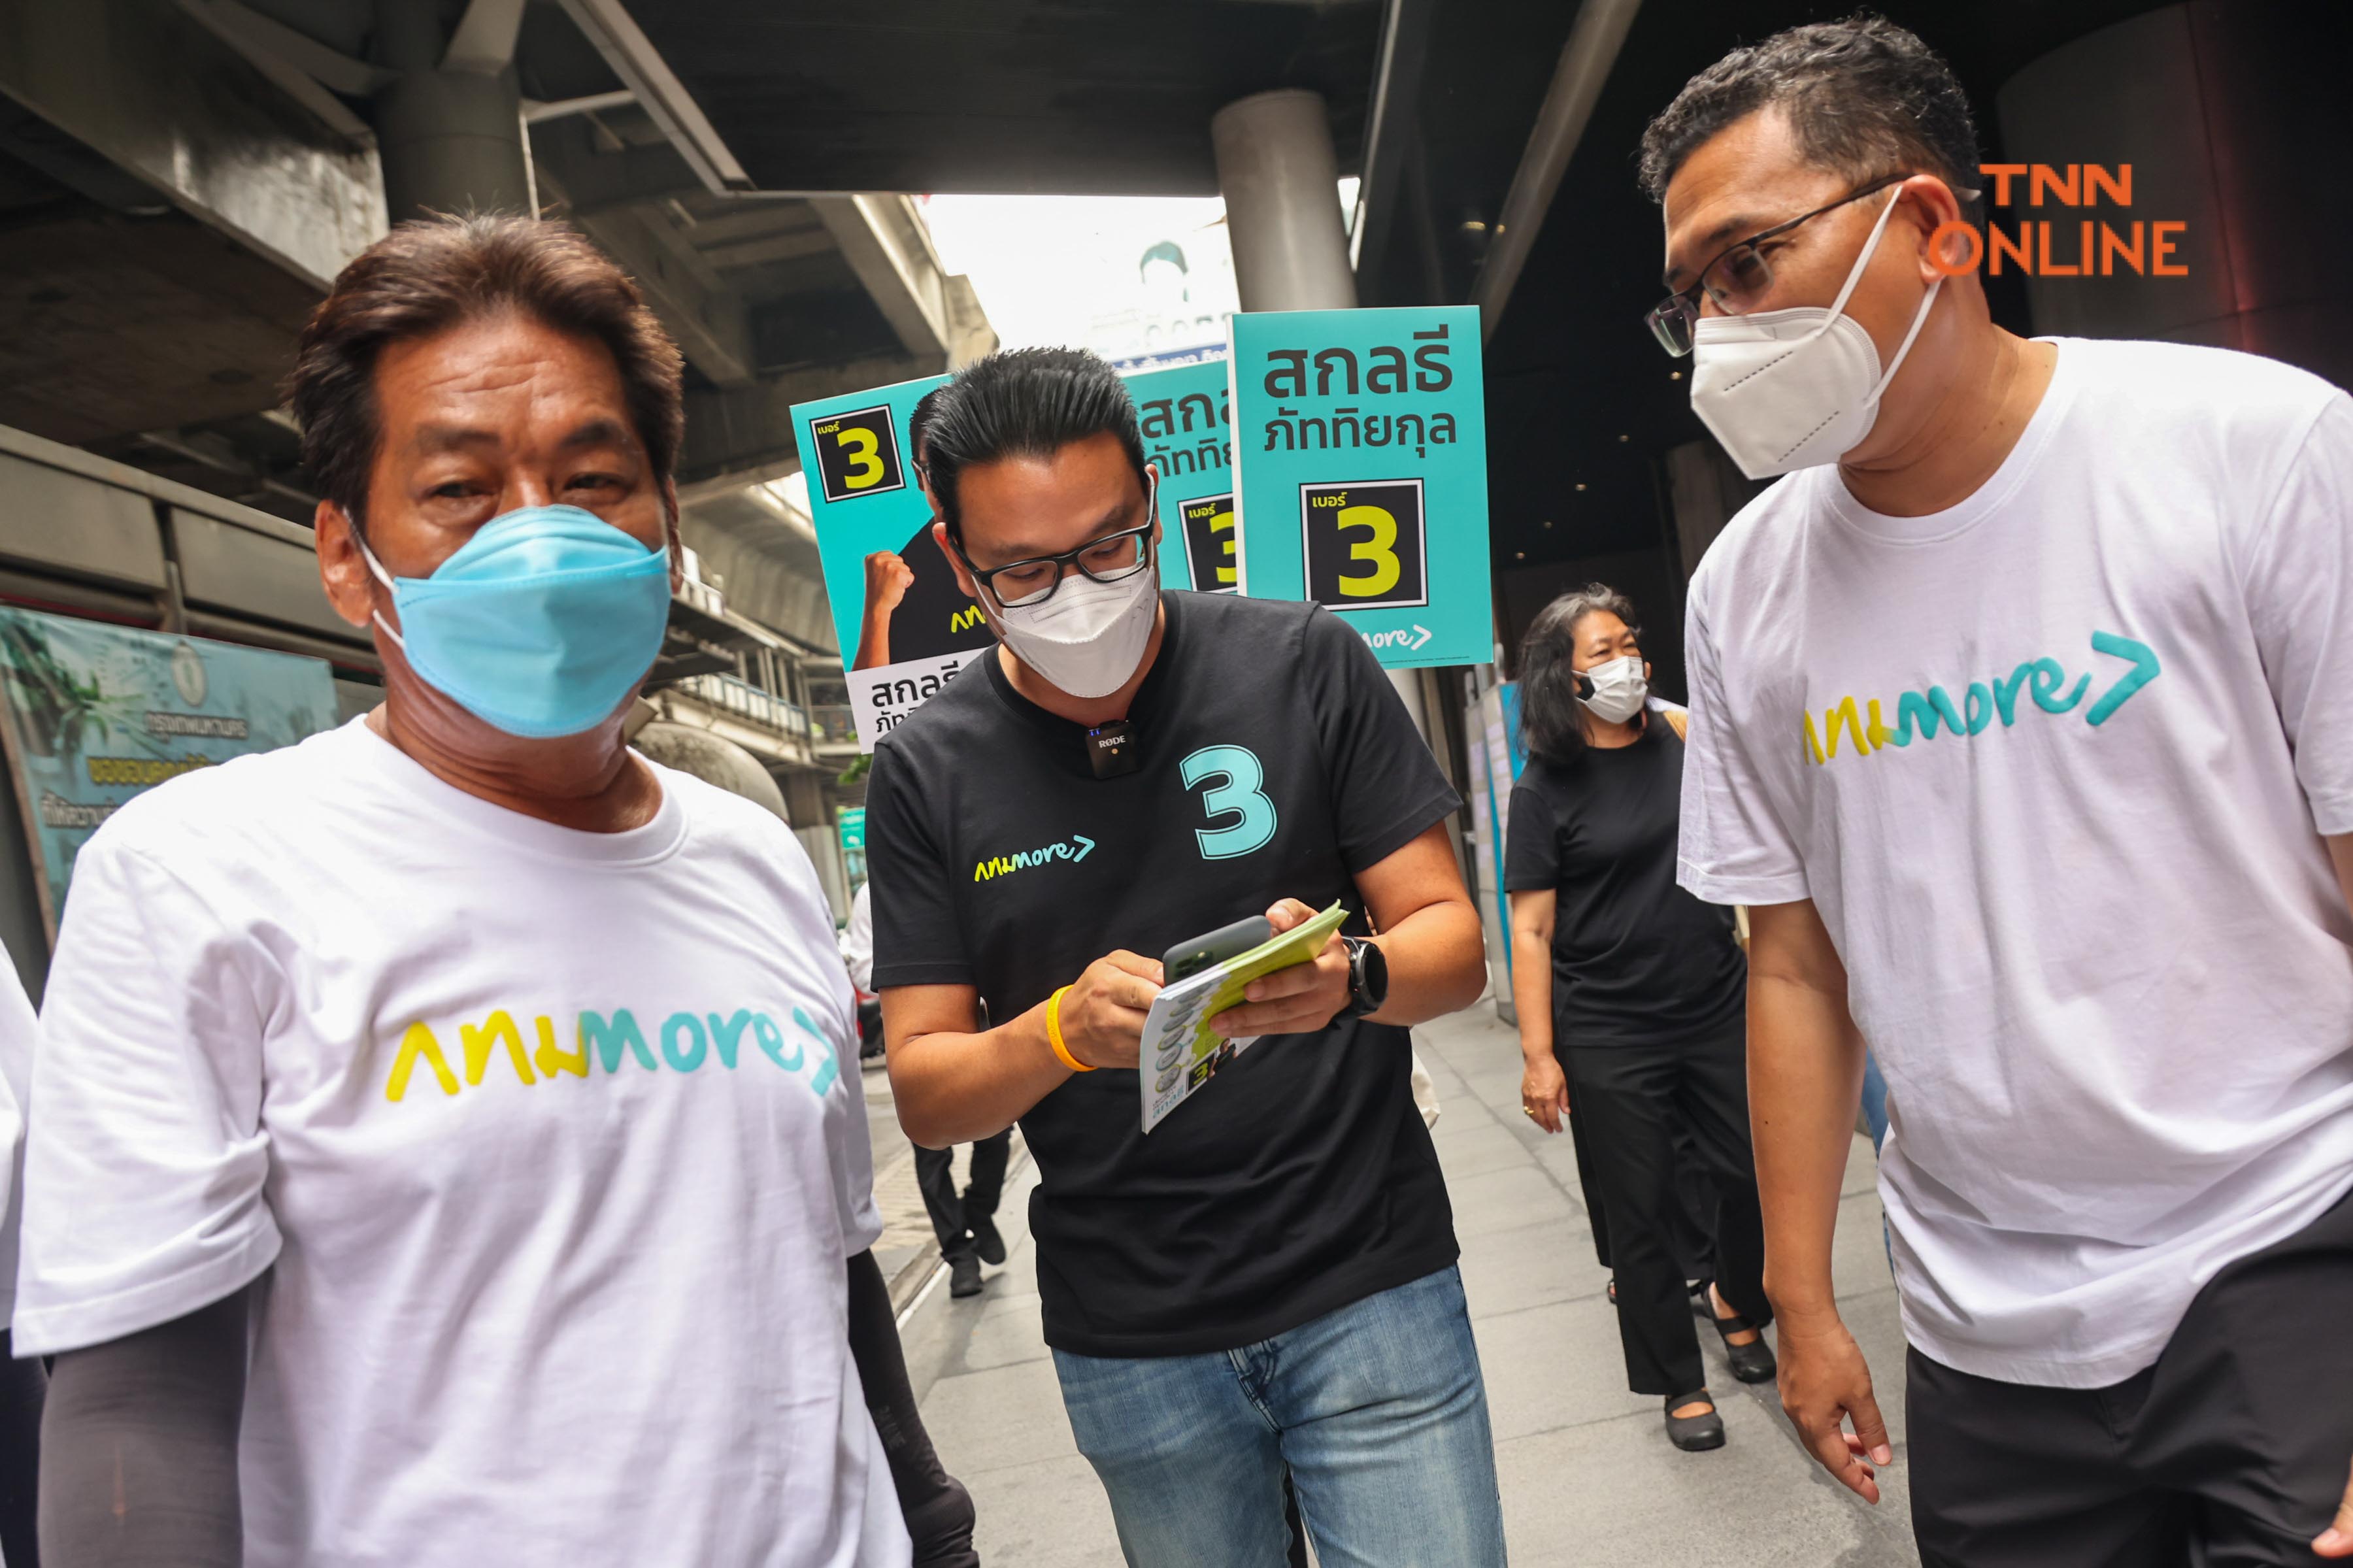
(1110, 749)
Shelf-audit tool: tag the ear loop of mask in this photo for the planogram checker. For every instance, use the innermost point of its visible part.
(384, 577)
(1919, 317)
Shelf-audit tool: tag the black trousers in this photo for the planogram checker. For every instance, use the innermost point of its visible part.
(2230, 1452)
(1630, 1103)
(1689, 1222)
(937, 1508)
(24, 1389)
(951, 1217)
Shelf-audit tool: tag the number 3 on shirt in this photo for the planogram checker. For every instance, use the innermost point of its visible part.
(1236, 793)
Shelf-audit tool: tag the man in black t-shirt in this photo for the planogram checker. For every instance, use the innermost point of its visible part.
(1267, 1282)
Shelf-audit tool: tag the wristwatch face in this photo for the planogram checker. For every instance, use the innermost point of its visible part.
(1368, 976)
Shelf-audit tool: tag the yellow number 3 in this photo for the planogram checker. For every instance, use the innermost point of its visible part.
(865, 466)
(1380, 550)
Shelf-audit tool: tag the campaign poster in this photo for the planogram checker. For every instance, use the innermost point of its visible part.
(94, 714)
(1188, 434)
(905, 629)
(1360, 442)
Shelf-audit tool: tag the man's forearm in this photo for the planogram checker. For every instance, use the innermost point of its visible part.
(955, 1088)
(1437, 961)
(1805, 1082)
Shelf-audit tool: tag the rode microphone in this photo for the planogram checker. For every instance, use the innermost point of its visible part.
(1110, 749)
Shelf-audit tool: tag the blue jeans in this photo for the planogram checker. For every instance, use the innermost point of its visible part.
(1874, 1101)
(1377, 1410)
(1874, 1115)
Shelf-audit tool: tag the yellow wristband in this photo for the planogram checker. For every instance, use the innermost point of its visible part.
(1054, 1033)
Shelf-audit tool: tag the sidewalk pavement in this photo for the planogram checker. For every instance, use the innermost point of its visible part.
(1587, 1472)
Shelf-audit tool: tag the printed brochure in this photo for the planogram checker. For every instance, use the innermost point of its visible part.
(1179, 1051)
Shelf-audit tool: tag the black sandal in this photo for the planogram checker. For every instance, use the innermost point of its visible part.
(1751, 1363)
(1613, 1289)
(1695, 1434)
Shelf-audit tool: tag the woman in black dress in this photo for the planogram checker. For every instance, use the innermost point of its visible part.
(1631, 995)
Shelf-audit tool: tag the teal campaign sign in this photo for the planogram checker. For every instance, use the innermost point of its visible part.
(1188, 434)
(904, 626)
(851, 820)
(96, 713)
(1360, 439)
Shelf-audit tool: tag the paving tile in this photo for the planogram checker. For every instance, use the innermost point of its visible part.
(1618, 1493)
(1050, 1513)
(1480, 1150)
(1508, 1199)
(1531, 1266)
(1553, 1366)
(1007, 1416)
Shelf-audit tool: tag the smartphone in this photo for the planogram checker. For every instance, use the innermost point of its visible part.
(1190, 958)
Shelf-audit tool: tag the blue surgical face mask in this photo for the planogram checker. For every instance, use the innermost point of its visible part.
(541, 624)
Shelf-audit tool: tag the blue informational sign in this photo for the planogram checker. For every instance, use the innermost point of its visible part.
(904, 626)
(95, 713)
(1360, 439)
(1188, 434)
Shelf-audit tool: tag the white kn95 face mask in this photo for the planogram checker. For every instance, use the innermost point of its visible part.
(1798, 388)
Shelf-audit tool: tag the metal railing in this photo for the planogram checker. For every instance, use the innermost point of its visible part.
(748, 702)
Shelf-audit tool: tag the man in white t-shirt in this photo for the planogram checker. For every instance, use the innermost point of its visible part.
(448, 1145)
(2020, 719)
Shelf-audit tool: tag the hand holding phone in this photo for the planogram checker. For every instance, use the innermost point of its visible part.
(1191, 958)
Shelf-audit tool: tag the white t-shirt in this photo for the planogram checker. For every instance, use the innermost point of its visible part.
(17, 1027)
(858, 946)
(2089, 925)
(549, 1143)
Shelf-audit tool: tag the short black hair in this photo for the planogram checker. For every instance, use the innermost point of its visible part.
(1023, 402)
(919, 422)
(1550, 727)
(1864, 97)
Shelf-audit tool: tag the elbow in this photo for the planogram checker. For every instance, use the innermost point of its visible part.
(924, 1128)
(918, 1119)
(1469, 983)
(1464, 978)
(1471, 974)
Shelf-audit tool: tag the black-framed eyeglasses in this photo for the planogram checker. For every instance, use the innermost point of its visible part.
(1739, 276)
(1019, 584)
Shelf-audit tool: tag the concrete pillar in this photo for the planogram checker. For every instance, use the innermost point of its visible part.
(1282, 185)
(449, 141)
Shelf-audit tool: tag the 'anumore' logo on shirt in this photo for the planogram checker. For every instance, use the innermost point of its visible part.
(1076, 847)
(686, 1040)
(1924, 713)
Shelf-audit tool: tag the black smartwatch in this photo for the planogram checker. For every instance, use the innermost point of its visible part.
(1368, 977)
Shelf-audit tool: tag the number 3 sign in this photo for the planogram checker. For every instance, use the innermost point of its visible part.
(856, 454)
(1360, 447)
(1364, 545)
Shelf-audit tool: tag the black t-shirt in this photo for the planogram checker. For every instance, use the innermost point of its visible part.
(1635, 959)
(1300, 1179)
